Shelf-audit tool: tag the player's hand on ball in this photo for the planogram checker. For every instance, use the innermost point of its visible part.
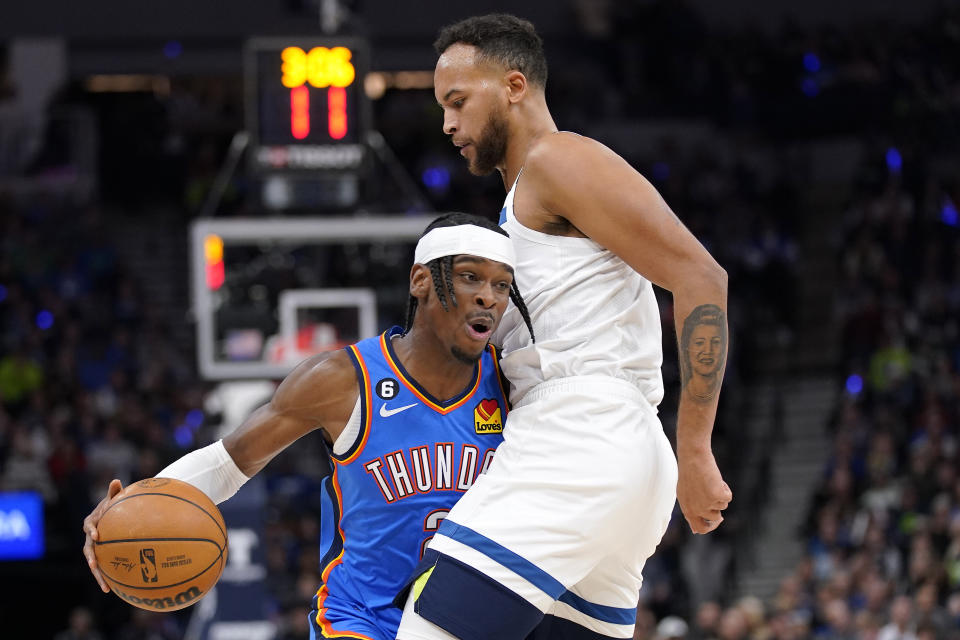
(90, 528)
(701, 491)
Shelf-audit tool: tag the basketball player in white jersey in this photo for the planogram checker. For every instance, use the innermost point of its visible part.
(551, 542)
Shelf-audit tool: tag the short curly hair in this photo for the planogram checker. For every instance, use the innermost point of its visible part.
(500, 38)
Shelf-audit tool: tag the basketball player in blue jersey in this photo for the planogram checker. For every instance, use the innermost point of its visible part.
(551, 541)
(411, 418)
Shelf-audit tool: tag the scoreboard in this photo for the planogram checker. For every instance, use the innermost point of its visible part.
(306, 106)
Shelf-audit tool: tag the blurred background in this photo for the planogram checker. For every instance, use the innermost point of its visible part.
(182, 217)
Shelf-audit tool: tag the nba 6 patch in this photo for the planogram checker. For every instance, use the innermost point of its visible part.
(486, 417)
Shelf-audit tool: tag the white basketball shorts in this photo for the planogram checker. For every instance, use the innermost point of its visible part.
(578, 496)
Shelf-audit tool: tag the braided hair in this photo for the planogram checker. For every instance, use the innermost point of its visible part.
(441, 270)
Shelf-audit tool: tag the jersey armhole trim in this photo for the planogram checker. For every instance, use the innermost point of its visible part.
(333, 555)
(363, 378)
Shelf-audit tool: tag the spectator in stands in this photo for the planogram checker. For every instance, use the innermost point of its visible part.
(672, 628)
(900, 626)
(81, 627)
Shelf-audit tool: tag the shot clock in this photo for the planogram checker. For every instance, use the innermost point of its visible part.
(306, 107)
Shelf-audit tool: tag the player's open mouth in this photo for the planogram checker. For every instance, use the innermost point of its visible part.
(480, 328)
(463, 149)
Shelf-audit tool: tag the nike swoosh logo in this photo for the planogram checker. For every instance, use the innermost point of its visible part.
(386, 413)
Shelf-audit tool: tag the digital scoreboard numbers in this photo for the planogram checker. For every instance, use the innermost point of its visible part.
(306, 107)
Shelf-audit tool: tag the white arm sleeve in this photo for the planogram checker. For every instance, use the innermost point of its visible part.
(210, 469)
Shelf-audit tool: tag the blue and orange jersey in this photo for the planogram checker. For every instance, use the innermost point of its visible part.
(411, 460)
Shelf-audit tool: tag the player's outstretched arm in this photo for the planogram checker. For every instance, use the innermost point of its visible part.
(593, 188)
(319, 393)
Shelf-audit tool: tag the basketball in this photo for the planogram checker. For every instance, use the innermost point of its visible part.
(163, 544)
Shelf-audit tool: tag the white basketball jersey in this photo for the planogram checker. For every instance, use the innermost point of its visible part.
(592, 314)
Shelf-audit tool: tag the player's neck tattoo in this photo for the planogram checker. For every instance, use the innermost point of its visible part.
(703, 352)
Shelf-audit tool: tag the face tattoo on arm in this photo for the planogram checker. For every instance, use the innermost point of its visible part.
(703, 352)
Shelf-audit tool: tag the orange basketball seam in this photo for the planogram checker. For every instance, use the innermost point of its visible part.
(165, 539)
(168, 495)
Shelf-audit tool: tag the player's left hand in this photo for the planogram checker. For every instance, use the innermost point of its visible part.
(92, 535)
(701, 491)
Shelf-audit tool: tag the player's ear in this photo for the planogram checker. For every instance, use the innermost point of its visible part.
(516, 84)
(420, 281)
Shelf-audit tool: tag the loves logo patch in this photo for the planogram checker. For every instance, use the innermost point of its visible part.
(487, 417)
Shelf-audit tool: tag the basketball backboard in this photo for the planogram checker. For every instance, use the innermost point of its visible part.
(268, 292)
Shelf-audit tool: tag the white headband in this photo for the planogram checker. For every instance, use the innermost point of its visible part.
(465, 239)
